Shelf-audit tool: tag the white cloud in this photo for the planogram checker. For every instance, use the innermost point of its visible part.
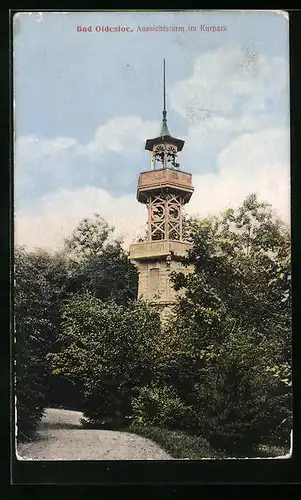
(229, 103)
(44, 165)
(256, 151)
(62, 211)
(230, 90)
(116, 133)
(221, 78)
(256, 162)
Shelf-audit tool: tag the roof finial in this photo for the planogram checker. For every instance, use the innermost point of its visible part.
(164, 94)
(164, 129)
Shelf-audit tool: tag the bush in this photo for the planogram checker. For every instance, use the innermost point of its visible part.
(33, 329)
(158, 406)
(107, 350)
(226, 392)
(238, 405)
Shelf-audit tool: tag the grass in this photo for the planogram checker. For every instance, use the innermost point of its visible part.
(181, 445)
(177, 443)
(271, 451)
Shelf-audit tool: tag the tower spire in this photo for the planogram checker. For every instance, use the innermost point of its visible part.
(155, 145)
(164, 91)
(164, 128)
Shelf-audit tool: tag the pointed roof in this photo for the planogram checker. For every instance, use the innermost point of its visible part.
(164, 128)
(164, 132)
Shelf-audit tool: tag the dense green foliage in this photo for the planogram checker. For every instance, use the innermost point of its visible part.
(43, 282)
(186, 446)
(220, 368)
(223, 363)
(107, 348)
(99, 264)
(36, 294)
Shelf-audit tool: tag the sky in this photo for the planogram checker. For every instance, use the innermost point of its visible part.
(86, 101)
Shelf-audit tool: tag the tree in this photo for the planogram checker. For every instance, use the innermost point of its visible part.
(223, 361)
(92, 260)
(242, 266)
(239, 295)
(107, 348)
(34, 333)
(99, 263)
(236, 404)
(88, 239)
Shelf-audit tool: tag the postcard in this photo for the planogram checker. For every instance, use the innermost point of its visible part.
(152, 235)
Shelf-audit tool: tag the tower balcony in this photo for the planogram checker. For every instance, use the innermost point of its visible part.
(158, 249)
(154, 181)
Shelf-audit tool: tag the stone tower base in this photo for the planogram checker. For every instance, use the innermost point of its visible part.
(155, 262)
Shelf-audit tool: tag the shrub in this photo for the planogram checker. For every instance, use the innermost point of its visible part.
(233, 400)
(224, 391)
(158, 406)
(107, 349)
(33, 329)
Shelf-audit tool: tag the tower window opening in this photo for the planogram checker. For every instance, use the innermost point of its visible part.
(157, 234)
(154, 280)
(158, 212)
(174, 235)
(174, 213)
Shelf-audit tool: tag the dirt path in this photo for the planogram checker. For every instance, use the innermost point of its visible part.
(61, 437)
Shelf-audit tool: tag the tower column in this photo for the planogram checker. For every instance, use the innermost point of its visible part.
(166, 221)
